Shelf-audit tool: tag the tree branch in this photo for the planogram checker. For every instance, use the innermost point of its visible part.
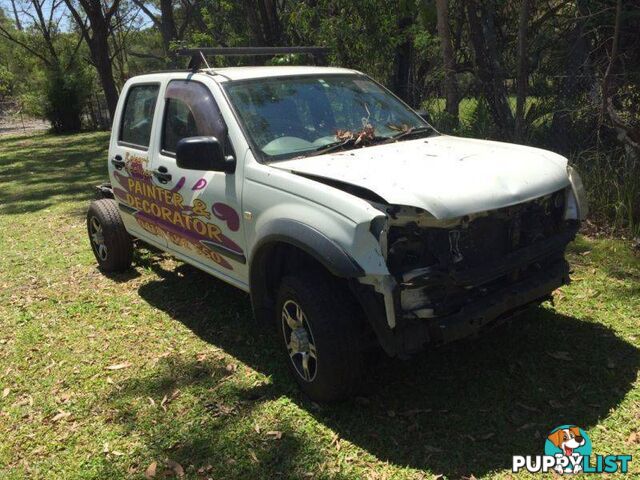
(84, 29)
(145, 55)
(5, 33)
(612, 60)
(148, 12)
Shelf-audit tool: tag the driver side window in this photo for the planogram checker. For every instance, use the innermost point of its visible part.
(190, 110)
(179, 123)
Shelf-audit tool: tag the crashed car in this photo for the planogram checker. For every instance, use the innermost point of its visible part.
(349, 219)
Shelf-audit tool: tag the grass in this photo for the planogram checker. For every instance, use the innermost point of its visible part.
(104, 377)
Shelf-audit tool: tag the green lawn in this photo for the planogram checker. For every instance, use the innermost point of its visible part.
(105, 377)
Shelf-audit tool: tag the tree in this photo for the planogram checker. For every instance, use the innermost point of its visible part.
(628, 128)
(403, 54)
(15, 15)
(263, 17)
(450, 87)
(575, 66)
(171, 23)
(482, 36)
(523, 68)
(64, 91)
(42, 45)
(96, 33)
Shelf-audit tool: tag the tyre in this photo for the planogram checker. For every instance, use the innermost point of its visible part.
(321, 331)
(111, 243)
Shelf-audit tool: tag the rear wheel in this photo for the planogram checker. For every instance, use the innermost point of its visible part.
(110, 241)
(321, 330)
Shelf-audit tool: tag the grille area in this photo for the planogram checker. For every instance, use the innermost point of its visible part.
(442, 269)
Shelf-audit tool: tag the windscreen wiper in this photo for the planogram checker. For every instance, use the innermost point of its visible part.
(330, 147)
(349, 142)
(407, 133)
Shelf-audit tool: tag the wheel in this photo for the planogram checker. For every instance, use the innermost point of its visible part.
(110, 241)
(321, 331)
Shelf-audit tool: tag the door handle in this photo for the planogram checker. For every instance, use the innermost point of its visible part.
(118, 162)
(162, 175)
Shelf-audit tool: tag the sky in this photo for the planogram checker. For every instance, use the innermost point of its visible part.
(61, 13)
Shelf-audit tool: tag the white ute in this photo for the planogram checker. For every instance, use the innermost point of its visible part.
(351, 222)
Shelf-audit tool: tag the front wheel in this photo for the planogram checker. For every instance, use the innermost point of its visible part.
(321, 330)
(110, 241)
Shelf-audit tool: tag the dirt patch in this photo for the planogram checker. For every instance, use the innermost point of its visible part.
(14, 125)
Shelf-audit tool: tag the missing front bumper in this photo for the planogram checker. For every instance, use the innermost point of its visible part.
(498, 306)
(411, 335)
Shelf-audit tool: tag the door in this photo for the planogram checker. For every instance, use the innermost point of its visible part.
(202, 223)
(131, 161)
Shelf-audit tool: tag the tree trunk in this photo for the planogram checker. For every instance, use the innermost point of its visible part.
(523, 69)
(271, 22)
(97, 37)
(99, 49)
(483, 40)
(450, 87)
(15, 15)
(576, 79)
(168, 31)
(628, 132)
(613, 57)
(402, 63)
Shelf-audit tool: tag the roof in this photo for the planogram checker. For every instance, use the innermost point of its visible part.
(246, 73)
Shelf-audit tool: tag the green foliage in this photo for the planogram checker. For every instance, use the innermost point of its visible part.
(52, 86)
(66, 94)
(357, 33)
(612, 179)
(474, 121)
(7, 81)
(480, 123)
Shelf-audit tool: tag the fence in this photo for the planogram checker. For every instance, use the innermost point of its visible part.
(95, 115)
(14, 120)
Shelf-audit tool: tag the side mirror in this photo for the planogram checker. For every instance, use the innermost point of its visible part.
(203, 153)
(424, 115)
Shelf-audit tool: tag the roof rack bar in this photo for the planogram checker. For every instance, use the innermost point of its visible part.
(240, 51)
(198, 54)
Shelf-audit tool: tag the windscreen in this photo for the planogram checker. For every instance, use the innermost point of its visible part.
(287, 117)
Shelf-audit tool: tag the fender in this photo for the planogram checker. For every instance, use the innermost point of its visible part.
(310, 240)
(278, 231)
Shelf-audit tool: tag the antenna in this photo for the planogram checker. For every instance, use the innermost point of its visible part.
(204, 59)
(198, 54)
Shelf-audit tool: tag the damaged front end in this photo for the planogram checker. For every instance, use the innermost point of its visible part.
(452, 278)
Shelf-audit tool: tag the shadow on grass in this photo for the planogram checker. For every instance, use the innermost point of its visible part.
(38, 171)
(467, 408)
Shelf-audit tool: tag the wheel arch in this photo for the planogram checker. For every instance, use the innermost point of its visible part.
(285, 245)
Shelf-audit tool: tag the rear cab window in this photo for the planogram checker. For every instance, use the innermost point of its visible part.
(137, 116)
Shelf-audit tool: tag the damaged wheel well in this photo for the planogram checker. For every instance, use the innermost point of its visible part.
(273, 261)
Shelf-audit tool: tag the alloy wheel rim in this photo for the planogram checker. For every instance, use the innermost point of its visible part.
(97, 238)
(299, 341)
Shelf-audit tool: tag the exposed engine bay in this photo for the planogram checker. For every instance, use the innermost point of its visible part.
(440, 267)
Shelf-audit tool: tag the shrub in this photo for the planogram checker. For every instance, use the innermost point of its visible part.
(7, 80)
(66, 95)
(612, 181)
